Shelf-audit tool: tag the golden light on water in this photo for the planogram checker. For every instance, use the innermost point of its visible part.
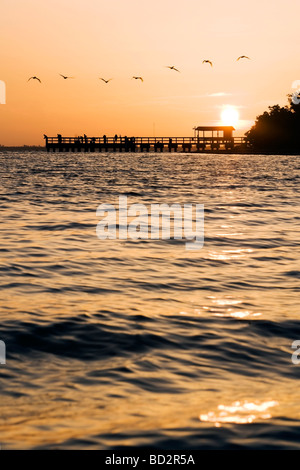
(229, 254)
(239, 413)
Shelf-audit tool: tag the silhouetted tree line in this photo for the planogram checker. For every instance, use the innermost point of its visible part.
(277, 130)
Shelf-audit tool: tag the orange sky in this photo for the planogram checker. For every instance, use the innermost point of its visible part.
(88, 39)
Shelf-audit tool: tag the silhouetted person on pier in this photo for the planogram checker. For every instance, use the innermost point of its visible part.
(85, 139)
(116, 138)
(46, 139)
(104, 139)
(59, 138)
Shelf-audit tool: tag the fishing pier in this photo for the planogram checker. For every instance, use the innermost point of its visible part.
(206, 139)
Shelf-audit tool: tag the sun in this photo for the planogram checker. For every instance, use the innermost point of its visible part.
(230, 116)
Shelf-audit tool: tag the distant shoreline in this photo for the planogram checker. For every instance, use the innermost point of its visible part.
(22, 147)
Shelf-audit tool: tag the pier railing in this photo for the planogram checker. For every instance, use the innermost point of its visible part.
(140, 144)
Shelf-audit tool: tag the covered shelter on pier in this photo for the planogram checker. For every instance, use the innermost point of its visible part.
(214, 136)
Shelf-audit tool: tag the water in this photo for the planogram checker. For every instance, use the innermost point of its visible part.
(117, 343)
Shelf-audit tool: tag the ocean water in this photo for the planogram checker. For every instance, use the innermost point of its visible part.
(140, 343)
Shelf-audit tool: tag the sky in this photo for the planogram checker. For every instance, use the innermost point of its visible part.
(118, 39)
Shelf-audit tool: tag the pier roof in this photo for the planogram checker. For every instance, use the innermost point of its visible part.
(214, 128)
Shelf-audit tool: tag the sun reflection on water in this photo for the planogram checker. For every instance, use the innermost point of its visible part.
(237, 314)
(229, 254)
(226, 306)
(239, 413)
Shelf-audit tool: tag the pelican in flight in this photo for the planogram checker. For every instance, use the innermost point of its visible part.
(106, 81)
(138, 78)
(34, 78)
(171, 67)
(243, 57)
(64, 76)
(207, 62)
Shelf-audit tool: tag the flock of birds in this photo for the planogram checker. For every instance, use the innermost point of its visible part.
(171, 67)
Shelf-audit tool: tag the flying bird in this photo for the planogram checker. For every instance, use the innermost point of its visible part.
(64, 76)
(171, 67)
(34, 78)
(138, 78)
(207, 62)
(243, 57)
(106, 81)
